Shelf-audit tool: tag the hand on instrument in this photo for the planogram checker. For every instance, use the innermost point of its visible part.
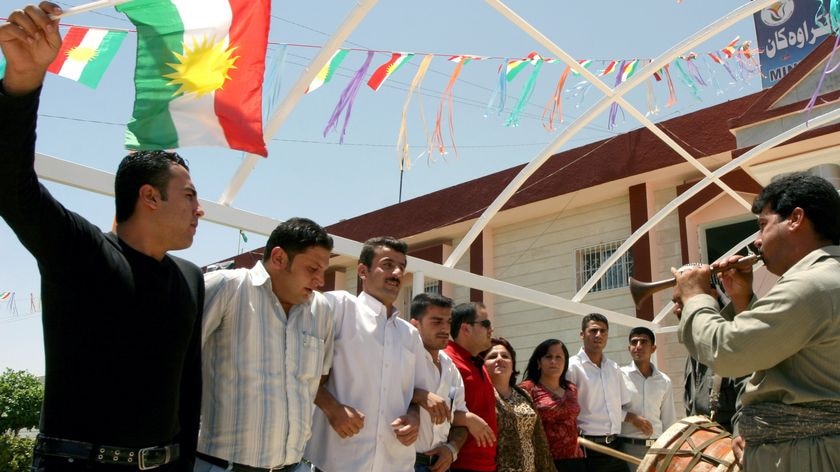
(30, 42)
(738, 446)
(737, 281)
(691, 281)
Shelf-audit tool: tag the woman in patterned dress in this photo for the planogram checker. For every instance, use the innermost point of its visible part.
(556, 402)
(521, 443)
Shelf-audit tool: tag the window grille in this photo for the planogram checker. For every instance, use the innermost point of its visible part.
(589, 259)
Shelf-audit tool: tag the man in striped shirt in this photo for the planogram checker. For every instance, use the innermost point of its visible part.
(267, 340)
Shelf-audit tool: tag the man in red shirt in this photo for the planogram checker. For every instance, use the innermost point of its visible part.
(471, 332)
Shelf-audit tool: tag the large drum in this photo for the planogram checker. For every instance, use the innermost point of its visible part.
(695, 443)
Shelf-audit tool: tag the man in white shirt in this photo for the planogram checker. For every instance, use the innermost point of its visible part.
(267, 340)
(602, 394)
(438, 444)
(363, 422)
(651, 395)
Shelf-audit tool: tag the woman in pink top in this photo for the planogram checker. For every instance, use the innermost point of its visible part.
(556, 401)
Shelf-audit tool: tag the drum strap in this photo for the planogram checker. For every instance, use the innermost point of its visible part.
(763, 423)
(714, 396)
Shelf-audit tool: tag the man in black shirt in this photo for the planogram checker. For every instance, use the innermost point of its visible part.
(123, 375)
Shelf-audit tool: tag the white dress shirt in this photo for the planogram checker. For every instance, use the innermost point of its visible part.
(651, 397)
(449, 385)
(261, 369)
(374, 372)
(601, 394)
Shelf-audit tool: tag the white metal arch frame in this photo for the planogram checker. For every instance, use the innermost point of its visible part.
(222, 212)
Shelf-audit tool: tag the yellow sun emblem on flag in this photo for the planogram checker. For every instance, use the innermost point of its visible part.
(203, 68)
(82, 54)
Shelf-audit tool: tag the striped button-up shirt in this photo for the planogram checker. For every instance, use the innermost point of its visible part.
(261, 369)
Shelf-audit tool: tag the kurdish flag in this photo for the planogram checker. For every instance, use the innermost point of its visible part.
(325, 74)
(381, 74)
(86, 53)
(199, 73)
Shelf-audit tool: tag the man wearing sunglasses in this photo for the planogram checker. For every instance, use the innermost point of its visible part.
(471, 333)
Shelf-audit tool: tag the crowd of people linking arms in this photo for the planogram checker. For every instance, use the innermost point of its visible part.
(254, 370)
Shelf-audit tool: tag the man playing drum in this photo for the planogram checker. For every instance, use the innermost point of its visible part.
(790, 337)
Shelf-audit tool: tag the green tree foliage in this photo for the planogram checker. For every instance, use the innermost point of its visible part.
(21, 394)
(15, 453)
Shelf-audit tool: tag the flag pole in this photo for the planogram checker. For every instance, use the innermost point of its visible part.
(87, 7)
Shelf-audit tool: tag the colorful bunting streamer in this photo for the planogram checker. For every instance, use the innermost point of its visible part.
(687, 80)
(437, 136)
(629, 69)
(585, 63)
(525, 95)
(402, 135)
(383, 72)
(345, 101)
(556, 102)
(608, 70)
(719, 60)
(672, 92)
(650, 98)
(500, 92)
(614, 106)
(274, 81)
(326, 73)
(693, 72)
(5, 296)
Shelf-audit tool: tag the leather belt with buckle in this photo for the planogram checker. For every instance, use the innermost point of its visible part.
(227, 465)
(608, 439)
(648, 442)
(146, 458)
(424, 459)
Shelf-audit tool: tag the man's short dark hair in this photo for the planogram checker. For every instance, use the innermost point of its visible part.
(593, 317)
(813, 194)
(641, 330)
(296, 235)
(464, 313)
(138, 169)
(366, 256)
(422, 301)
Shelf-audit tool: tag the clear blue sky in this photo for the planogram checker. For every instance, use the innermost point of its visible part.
(309, 175)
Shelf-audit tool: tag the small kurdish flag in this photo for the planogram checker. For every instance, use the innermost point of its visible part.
(5, 296)
(199, 74)
(86, 53)
(383, 72)
(325, 74)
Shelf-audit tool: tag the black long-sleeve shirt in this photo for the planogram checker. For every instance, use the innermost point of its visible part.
(121, 329)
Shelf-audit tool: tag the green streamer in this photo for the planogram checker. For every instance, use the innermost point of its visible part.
(525, 96)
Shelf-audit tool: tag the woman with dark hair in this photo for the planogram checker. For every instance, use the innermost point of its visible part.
(556, 402)
(521, 444)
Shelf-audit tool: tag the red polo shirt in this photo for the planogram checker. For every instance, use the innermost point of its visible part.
(481, 400)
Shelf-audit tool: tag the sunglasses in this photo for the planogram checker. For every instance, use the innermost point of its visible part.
(485, 323)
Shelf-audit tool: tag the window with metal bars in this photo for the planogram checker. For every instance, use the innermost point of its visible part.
(589, 259)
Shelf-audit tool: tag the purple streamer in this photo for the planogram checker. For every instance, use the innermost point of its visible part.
(828, 69)
(695, 73)
(348, 95)
(614, 106)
